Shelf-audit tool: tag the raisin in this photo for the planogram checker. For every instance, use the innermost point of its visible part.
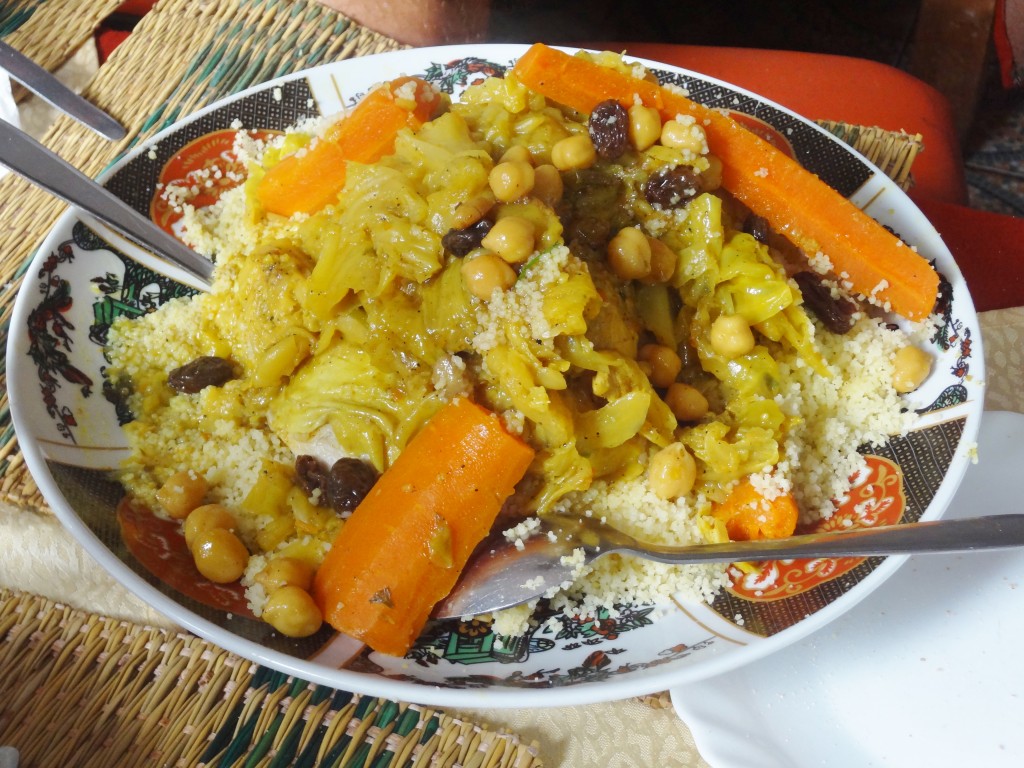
(673, 187)
(206, 371)
(756, 227)
(461, 241)
(835, 314)
(347, 484)
(609, 129)
(311, 472)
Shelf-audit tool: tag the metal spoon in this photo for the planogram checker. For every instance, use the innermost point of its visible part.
(37, 164)
(501, 575)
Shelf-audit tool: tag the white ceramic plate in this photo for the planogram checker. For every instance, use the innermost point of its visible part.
(926, 671)
(84, 276)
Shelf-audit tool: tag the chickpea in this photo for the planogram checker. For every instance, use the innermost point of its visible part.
(291, 611)
(663, 262)
(911, 367)
(547, 184)
(206, 518)
(220, 555)
(644, 126)
(510, 181)
(469, 212)
(512, 238)
(573, 153)
(711, 179)
(629, 254)
(679, 135)
(664, 363)
(672, 472)
(517, 153)
(686, 402)
(731, 336)
(285, 572)
(486, 273)
(183, 492)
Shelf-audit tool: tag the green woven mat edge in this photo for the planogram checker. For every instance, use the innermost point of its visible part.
(14, 14)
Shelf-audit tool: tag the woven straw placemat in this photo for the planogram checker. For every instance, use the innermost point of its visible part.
(51, 31)
(92, 692)
(893, 152)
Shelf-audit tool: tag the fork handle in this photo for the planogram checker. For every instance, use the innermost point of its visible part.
(963, 535)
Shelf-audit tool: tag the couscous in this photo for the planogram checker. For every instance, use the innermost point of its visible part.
(586, 278)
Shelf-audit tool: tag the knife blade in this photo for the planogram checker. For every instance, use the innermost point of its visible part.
(52, 90)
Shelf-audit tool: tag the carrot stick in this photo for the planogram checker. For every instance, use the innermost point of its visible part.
(581, 84)
(403, 548)
(748, 515)
(796, 203)
(310, 179)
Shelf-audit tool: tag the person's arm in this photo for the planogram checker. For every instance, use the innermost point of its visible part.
(420, 22)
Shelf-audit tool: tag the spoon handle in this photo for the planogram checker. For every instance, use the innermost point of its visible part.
(965, 535)
(37, 164)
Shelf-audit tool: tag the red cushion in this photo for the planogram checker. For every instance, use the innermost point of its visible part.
(987, 248)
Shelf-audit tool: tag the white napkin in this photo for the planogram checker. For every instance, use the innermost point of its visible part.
(40, 557)
(8, 757)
